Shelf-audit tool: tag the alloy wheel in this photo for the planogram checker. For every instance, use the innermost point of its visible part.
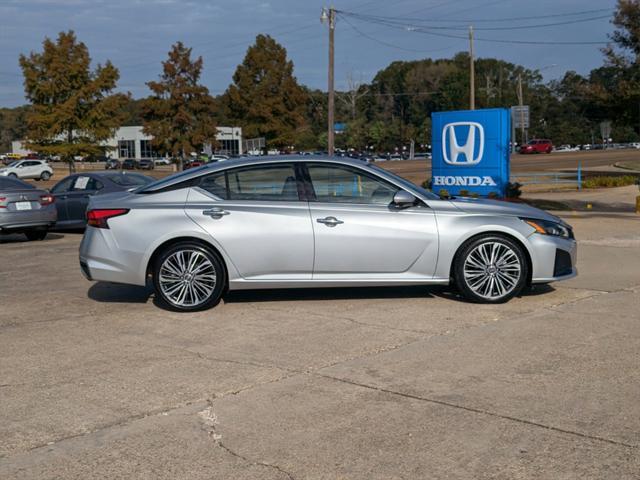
(492, 270)
(187, 278)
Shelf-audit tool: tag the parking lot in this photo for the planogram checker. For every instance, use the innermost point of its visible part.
(97, 382)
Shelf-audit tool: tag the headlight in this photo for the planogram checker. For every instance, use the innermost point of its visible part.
(546, 227)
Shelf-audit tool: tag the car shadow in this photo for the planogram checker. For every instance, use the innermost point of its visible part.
(533, 291)
(21, 238)
(119, 293)
(337, 293)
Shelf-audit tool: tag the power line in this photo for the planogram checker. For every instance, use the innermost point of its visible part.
(381, 42)
(430, 31)
(383, 21)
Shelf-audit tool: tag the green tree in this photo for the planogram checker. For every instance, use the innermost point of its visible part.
(74, 109)
(13, 125)
(265, 97)
(180, 115)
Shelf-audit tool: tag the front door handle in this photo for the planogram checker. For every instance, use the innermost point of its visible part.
(329, 221)
(215, 213)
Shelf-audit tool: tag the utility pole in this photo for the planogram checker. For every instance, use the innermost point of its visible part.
(329, 16)
(472, 73)
(521, 103)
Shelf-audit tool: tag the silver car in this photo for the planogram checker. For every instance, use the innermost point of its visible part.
(291, 222)
(25, 209)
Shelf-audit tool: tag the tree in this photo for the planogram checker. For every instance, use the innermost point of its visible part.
(180, 113)
(265, 97)
(625, 49)
(13, 125)
(73, 108)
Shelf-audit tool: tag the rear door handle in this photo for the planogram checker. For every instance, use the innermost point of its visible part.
(215, 213)
(329, 221)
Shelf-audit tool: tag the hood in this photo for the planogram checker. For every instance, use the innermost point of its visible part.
(496, 207)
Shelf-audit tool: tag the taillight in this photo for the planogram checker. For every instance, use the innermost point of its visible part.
(46, 200)
(98, 218)
(2, 199)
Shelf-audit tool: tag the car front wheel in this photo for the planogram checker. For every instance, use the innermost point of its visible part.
(45, 176)
(188, 277)
(490, 269)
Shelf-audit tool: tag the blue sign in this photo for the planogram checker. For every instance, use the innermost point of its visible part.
(470, 151)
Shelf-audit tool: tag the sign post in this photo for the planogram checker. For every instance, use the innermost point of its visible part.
(471, 151)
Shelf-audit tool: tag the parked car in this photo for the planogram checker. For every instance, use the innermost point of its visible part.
(298, 221)
(218, 158)
(112, 164)
(566, 148)
(191, 164)
(129, 164)
(162, 161)
(95, 158)
(24, 169)
(72, 194)
(146, 164)
(25, 209)
(537, 146)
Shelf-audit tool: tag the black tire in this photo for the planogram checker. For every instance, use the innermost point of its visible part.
(13, 175)
(45, 176)
(468, 284)
(217, 265)
(34, 235)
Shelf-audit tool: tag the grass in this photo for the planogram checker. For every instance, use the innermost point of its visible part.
(546, 204)
(609, 181)
(629, 164)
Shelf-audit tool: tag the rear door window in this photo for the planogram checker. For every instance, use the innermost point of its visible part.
(258, 183)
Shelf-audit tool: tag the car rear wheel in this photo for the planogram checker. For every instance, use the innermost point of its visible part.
(34, 235)
(13, 175)
(188, 277)
(490, 269)
(45, 176)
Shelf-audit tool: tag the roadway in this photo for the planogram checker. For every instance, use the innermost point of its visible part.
(417, 170)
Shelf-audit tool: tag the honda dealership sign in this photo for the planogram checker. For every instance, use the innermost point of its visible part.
(471, 151)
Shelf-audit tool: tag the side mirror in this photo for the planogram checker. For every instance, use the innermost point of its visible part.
(403, 199)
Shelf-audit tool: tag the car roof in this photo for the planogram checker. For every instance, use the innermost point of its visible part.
(246, 161)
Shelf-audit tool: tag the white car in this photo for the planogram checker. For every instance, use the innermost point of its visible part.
(23, 169)
(218, 158)
(566, 148)
(162, 161)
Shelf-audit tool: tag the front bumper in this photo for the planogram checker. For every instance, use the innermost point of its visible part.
(553, 258)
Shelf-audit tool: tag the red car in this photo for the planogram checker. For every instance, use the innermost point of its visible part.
(537, 146)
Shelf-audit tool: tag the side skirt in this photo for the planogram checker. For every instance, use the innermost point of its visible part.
(242, 284)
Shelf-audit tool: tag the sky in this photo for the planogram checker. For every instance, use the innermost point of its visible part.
(137, 34)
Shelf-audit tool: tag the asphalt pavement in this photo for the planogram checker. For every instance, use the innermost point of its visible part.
(97, 382)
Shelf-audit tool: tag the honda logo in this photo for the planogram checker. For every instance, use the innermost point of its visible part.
(452, 150)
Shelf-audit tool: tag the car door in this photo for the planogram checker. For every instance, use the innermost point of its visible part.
(256, 215)
(78, 198)
(61, 193)
(360, 232)
(31, 169)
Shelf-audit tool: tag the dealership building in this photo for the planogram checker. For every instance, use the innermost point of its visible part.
(132, 142)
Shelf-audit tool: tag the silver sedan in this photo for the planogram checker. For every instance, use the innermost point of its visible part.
(291, 222)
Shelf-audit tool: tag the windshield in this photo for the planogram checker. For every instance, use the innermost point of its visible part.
(129, 179)
(14, 163)
(406, 183)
